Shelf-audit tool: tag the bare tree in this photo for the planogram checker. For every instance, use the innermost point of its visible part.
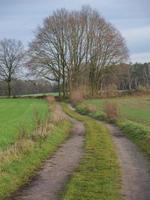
(72, 43)
(11, 54)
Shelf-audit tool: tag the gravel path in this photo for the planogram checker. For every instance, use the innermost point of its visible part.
(134, 166)
(51, 179)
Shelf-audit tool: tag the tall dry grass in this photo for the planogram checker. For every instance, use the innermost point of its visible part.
(112, 111)
(26, 140)
(77, 96)
(50, 99)
(58, 115)
(91, 108)
(13, 152)
(109, 91)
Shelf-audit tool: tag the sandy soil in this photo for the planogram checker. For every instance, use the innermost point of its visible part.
(134, 167)
(52, 178)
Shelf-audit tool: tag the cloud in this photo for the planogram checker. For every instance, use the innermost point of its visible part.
(140, 57)
(18, 19)
(138, 39)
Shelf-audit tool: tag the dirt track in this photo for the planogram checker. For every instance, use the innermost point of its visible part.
(51, 179)
(134, 167)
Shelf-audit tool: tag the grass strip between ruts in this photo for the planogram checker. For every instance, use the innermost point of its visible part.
(98, 175)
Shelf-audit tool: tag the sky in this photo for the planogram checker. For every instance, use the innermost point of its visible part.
(19, 19)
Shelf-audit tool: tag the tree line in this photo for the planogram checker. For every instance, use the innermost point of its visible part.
(128, 76)
(74, 49)
(27, 87)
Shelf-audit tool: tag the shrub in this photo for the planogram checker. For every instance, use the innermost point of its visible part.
(91, 108)
(112, 111)
(77, 96)
(50, 99)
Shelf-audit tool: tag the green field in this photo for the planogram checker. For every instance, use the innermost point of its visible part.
(23, 143)
(18, 114)
(40, 94)
(133, 119)
(23, 147)
(136, 109)
(32, 95)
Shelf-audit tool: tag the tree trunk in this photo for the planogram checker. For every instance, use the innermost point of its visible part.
(63, 84)
(59, 89)
(9, 88)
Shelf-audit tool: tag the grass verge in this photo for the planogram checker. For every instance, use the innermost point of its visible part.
(138, 133)
(98, 175)
(86, 109)
(17, 171)
(136, 109)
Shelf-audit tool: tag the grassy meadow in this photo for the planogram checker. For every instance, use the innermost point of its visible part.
(133, 118)
(39, 94)
(30, 132)
(136, 109)
(32, 129)
(18, 115)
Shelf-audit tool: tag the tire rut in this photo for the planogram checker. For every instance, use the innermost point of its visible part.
(50, 181)
(134, 167)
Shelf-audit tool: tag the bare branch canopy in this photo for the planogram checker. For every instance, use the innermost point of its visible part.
(72, 44)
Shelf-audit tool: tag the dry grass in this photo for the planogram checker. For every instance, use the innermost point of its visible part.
(13, 152)
(50, 99)
(91, 108)
(109, 91)
(112, 111)
(26, 142)
(77, 96)
(21, 159)
(58, 114)
(43, 131)
(37, 118)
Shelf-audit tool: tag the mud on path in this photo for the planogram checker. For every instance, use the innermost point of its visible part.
(134, 167)
(52, 178)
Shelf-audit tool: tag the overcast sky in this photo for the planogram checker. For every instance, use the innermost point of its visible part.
(20, 18)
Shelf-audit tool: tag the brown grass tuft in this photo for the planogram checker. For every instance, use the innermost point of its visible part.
(58, 114)
(112, 111)
(50, 99)
(77, 96)
(43, 131)
(13, 152)
(91, 108)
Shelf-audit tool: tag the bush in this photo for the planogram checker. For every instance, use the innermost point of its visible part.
(112, 111)
(50, 99)
(77, 96)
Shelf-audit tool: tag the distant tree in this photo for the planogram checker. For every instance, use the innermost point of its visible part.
(140, 74)
(11, 55)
